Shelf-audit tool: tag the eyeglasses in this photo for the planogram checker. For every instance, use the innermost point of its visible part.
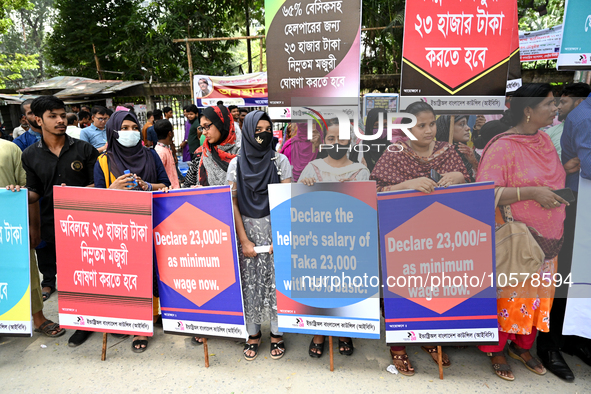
(102, 119)
(204, 128)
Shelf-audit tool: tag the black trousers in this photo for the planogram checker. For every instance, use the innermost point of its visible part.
(46, 260)
(554, 340)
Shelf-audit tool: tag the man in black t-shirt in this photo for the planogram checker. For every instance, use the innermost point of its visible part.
(56, 159)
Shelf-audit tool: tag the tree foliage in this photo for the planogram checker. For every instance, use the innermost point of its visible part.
(12, 62)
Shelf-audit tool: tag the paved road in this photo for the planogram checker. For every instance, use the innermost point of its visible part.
(173, 365)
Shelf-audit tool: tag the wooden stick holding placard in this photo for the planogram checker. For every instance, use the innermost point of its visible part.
(451, 130)
(440, 362)
(104, 354)
(331, 353)
(206, 352)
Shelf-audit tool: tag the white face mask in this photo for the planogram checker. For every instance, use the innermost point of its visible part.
(129, 138)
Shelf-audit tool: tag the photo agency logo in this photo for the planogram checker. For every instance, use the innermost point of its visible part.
(346, 119)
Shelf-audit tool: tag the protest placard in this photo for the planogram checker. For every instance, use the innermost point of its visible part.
(577, 317)
(104, 259)
(197, 259)
(438, 265)
(456, 54)
(326, 258)
(313, 48)
(15, 277)
(575, 46)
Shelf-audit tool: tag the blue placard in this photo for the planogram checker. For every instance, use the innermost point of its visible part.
(438, 265)
(326, 258)
(197, 263)
(15, 277)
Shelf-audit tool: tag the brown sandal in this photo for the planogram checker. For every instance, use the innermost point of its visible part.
(498, 368)
(516, 352)
(401, 360)
(433, 352)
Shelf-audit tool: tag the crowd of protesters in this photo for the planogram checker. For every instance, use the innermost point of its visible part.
(235, 147)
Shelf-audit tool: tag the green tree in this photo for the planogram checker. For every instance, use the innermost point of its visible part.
(12, 64)
(382, 49)
(26, 36)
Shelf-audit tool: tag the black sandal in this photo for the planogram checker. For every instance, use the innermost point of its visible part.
(47, 294)
(317, 346)
(348, 345)
(516, 352)
(252, 347)
(195, 342)
(140, 343)
(277, 346)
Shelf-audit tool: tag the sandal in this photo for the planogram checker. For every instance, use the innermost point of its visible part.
(48, 327)
(142, 343)
(278, 346)
(195, 341)
(498, 368)
(347, 345)
(317, 346)
(433, 352)
(47, 294)
(252, 347)
(402, 363)
(516, 352)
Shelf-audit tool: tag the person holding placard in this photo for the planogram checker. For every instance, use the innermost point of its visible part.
(409, 166)
(249, 175)
(127, 165)
(336, 167)
(460, 138)
(524, 161)
(210, 165)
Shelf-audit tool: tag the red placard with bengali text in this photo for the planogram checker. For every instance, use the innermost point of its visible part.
(104, 259)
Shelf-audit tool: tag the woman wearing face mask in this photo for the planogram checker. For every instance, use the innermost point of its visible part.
(336, 167)
(125, 152)
(410, 168)
(249, 175)
(461, 136)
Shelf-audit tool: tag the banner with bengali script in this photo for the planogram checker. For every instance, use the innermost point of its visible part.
(325, 246)
(104, 259)
(577, 318)
(15, 277)
(575, 47)
(313, 51)
(248, 90)
(438, 265)
(197, 260)
(540, 44)
(456, 54)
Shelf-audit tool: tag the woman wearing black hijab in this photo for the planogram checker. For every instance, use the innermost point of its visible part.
(125, 152)
(249, 174)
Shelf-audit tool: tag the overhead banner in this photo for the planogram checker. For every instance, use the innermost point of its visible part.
(103, 242)
(387, 101)
(325, 246)
(575, 47)
(15, 276)
(438, 265)
(540, 44)
(198, 271)
(456, 54)
(313, 51)
(577, 318)
(248, 90)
